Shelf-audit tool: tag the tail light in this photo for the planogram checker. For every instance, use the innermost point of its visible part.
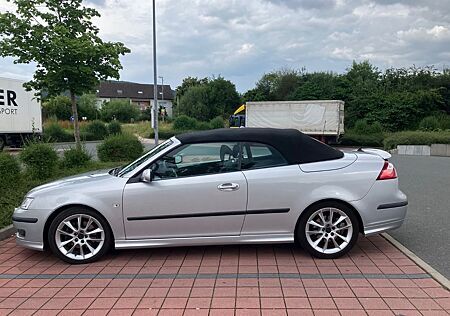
(388, 172)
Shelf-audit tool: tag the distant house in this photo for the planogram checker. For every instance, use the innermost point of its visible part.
(138, 93)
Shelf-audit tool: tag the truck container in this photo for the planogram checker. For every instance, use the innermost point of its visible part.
(20, 113)
(322, 119)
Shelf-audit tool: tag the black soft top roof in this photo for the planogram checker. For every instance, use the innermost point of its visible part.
(296, 147)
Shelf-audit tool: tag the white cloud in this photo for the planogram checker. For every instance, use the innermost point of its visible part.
(243, 39)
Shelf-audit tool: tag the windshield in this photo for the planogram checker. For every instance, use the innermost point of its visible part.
(144, 158)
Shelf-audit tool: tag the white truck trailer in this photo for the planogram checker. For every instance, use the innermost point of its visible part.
(20, 113)
(322, 119)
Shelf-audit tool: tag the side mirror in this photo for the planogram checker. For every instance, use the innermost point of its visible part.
(178, 159)
(147, 176)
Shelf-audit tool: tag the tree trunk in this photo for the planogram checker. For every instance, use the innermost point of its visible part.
(76, 124)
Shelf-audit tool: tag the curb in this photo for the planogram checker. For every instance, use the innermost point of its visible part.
(422, 264)
(7, 232)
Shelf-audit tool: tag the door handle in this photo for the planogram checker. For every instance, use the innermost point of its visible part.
(228, 187)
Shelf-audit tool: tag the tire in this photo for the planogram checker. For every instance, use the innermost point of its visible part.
(317, 239)
(75, 246)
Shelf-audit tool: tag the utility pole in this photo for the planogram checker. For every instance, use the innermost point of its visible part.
(155, 80)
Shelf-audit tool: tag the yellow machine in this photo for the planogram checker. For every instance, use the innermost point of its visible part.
(237, 120)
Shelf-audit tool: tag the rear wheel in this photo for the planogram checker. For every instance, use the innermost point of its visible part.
(79, 235)
(328, 230)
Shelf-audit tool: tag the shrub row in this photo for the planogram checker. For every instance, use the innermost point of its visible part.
(416, 138)
(371, 140)
(41, 160)
(186, 123)
(95, 130)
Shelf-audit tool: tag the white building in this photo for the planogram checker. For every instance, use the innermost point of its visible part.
(138, 93)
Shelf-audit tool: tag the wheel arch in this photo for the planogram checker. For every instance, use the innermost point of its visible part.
(355, 211)
(63, 208)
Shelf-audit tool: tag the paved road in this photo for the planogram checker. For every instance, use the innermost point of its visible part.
(426, 232)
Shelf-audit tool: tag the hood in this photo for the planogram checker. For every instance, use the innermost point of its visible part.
(84, 179)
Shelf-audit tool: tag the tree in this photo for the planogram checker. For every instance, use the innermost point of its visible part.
(187, 83)
(59, 36)
(205, 101)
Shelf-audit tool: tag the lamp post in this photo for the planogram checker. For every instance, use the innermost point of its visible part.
(155, 80)
(162, 97)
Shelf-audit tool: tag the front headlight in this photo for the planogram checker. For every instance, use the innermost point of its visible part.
(26, 203)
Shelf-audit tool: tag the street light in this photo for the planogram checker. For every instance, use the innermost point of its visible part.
(162, 97)
(155, 80)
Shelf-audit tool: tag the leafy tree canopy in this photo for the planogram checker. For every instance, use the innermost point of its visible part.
(60, 38)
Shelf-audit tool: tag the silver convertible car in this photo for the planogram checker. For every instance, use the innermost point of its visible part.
(223, 186)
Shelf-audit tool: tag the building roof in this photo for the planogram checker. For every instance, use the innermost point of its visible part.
(296, 147)
(132, 90)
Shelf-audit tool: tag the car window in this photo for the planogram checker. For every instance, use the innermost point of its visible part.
(256, 156)
(135, 164)
(196, 160)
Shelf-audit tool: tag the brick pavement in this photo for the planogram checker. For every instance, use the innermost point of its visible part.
(374, 279)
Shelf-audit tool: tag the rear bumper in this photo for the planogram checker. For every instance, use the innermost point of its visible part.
(398, 213)
(383, 208)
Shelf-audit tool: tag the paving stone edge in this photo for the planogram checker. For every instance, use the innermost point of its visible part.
(7, 232)
(425, 266)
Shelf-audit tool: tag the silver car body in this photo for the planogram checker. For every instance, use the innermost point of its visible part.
(265, 209)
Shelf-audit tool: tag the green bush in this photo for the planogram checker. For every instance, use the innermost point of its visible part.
(371, 140)
(217, 122)
(120, 147)
(40, 159)
(53, 132)
(429, 123)
(167, 133)
(75, 157)
(59, 107)
(9, 170)
(184, 122)
(435, 123)
(121, 110)
(362, 127)
(114, 128)
(97, 129)
(416, 138)
(201, 126)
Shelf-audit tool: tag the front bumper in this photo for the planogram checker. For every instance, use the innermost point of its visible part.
(29, 225)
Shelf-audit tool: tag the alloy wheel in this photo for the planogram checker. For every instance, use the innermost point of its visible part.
(329, 230)
(79, 237)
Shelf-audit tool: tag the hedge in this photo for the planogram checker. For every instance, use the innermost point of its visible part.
(416, 138)
(371, 140)
(120, 147)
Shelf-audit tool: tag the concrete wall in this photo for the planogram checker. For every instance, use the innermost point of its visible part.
(440, 150)
(423, 150)
(416, 150)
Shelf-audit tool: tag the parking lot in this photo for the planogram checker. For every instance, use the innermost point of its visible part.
(374, 279)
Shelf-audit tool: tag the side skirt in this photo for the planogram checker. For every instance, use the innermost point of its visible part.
(202, 241)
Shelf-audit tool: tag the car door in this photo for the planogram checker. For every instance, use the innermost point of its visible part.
(273, 190)
(197, 190)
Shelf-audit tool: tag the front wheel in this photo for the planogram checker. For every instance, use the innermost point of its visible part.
(328, 230)
(79, 235)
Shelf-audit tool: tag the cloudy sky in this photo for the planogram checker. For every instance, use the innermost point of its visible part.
(241, 40)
